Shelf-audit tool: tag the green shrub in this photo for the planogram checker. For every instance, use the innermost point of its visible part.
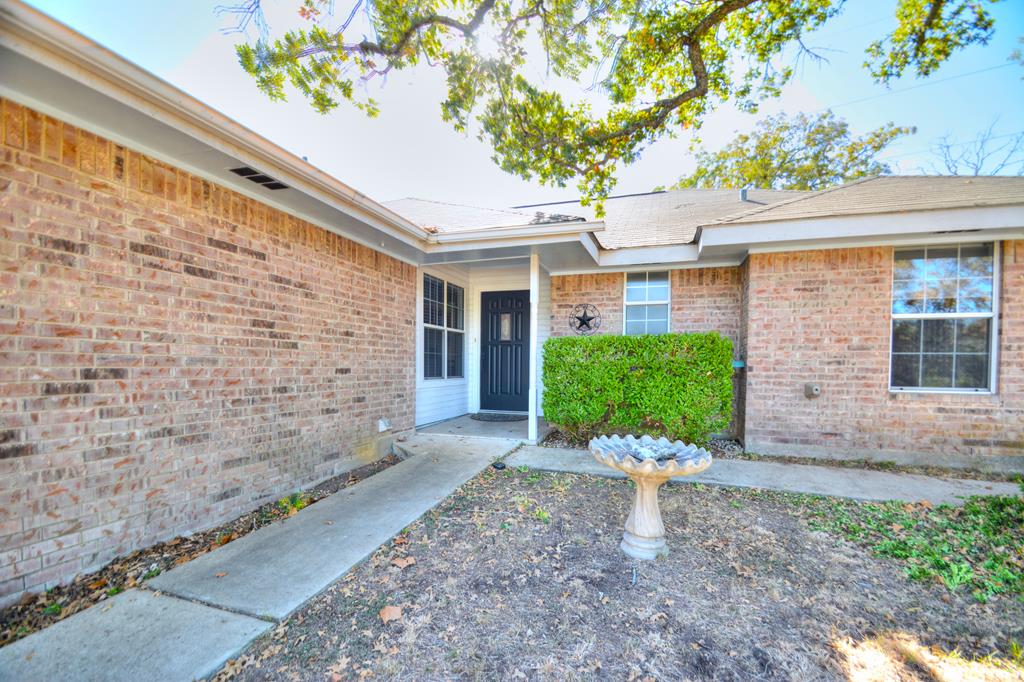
(674, 385)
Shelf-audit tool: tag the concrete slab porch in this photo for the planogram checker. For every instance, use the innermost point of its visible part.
(467, 426)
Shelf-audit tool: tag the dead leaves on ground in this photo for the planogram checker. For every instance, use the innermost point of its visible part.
(390, 613)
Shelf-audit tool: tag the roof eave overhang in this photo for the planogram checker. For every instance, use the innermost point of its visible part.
(498, 235)
(42, 39)
(982, 222)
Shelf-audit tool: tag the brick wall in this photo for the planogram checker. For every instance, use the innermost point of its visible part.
(604, 291)
(823, 317)
(173, 353)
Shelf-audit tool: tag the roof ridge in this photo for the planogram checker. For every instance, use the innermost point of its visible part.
(793, 200)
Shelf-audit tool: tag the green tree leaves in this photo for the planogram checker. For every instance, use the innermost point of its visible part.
(660, 67)
(805, 152)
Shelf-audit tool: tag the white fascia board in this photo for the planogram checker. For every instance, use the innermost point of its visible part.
(573, 229)
(885, 226)
(954, 237)
(51, 44)
(506, 242)
(691, 265)
(591, 246)
(648, 255)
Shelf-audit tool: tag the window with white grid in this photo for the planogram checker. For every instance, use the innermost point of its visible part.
(944, 303)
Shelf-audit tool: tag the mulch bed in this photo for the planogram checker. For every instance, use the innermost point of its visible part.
(39, 610)
(731, 449)
(518, 575)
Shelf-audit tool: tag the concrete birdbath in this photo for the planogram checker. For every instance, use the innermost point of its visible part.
(649, 463)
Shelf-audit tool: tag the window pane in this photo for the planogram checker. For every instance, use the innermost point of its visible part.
(940, 296)
(976, 260)
(646, 286)
(636, 313)
(657, 326)
(972, 371)
(975, 295)
(906, 336)
(972, 336)
(941, 262)
(937, 370)
(634, 328)
(433, 301)
(657, 313)
(636, 294)
(905, 370)
(456, 307)
(657, 286)
(657, 293)
(455, 347)
(938, 336)
(908, 297)
(433, 353)
(909, 264)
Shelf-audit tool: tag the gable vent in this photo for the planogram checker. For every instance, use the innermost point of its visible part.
(253, 175)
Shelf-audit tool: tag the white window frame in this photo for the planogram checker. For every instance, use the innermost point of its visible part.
(992, 315)
(626, 303)
(444, 329)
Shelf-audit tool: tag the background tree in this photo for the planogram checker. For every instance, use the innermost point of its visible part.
(986, 154)
(659, 67)
(801, 152)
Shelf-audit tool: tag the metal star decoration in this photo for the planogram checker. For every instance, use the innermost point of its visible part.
(584, 319)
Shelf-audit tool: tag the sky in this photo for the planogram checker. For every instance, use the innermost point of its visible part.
(408, 151)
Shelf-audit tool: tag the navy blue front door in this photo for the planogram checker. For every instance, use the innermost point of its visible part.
(504, 350)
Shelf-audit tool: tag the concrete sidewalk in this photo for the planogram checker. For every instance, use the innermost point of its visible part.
(858, 484)
(208, 610)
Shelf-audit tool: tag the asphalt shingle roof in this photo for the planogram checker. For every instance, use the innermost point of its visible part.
(446, 218)
(890, 194)
(664, 218)
(676, 216)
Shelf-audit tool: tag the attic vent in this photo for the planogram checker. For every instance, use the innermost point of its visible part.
(255, 176)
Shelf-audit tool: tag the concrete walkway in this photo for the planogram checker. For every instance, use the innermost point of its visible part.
(208, 610)
(858, 484)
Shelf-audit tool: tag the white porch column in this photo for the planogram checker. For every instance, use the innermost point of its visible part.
(534, 310)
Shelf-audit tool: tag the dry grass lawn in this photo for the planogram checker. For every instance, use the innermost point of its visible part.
(518, 576)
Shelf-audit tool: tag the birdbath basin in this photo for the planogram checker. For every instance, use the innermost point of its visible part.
(648, 463)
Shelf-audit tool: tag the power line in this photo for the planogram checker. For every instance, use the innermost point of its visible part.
(915, 87)
(958, 144)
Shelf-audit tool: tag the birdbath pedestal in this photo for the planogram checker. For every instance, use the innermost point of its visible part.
(648, 463)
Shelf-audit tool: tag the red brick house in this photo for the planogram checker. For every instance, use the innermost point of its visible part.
(194, 320)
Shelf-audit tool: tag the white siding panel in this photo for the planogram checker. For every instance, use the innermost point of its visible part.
(438, 399)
